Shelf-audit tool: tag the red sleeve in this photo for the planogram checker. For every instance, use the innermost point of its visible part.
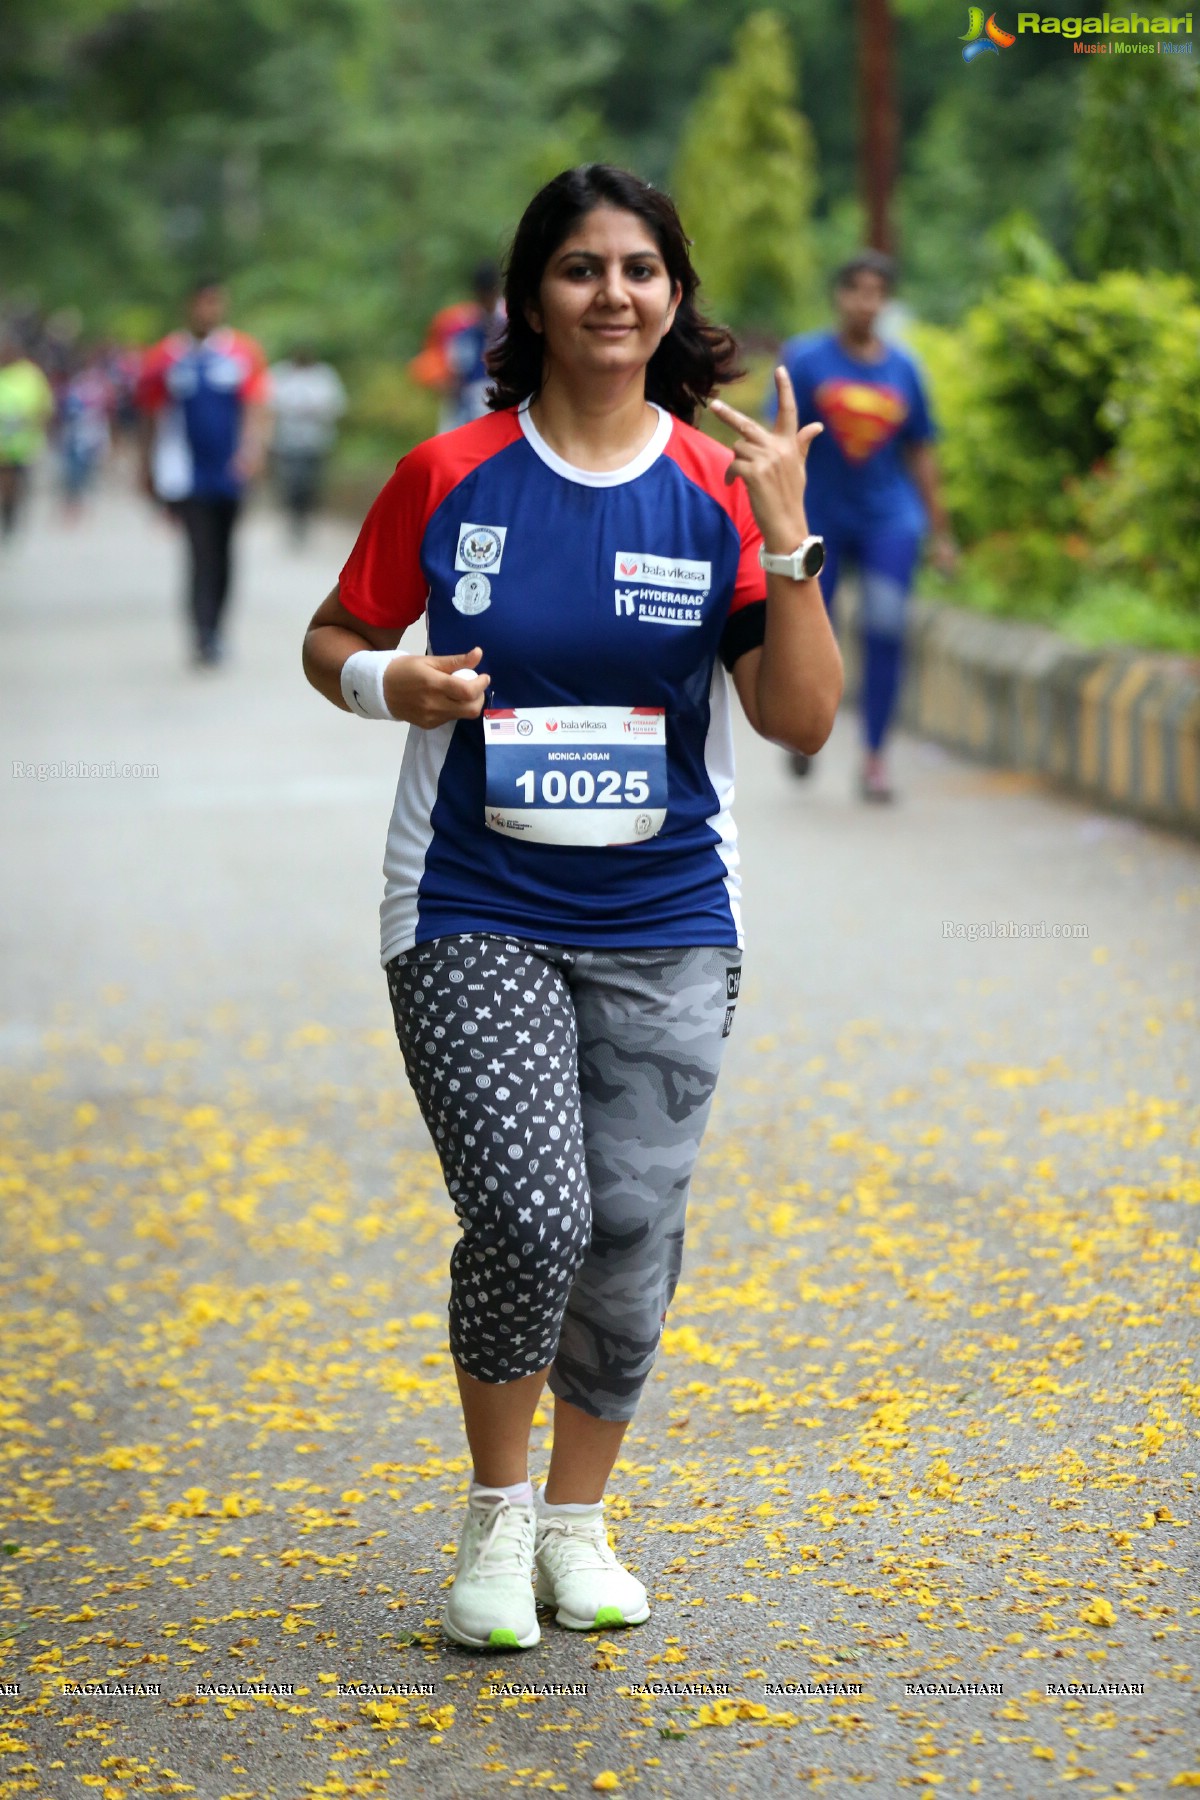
(383, 582)
(150, 391)
(704, 461)
(257, 383)
(751, 581)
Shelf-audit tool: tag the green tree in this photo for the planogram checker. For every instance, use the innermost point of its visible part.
(1137, 164)
(345, 162)
(745, 183)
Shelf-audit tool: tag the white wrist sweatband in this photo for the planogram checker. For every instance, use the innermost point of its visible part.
(362, 682)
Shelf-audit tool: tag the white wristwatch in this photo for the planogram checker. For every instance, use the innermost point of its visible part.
(804, 562)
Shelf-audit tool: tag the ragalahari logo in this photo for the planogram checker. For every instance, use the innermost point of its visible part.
(980, 37)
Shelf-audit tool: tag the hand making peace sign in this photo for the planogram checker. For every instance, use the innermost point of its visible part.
(772, 465)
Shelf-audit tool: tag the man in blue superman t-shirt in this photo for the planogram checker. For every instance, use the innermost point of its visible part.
(873, 489)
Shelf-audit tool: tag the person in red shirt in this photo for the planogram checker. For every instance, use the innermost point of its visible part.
(451, 360)
(202, 393)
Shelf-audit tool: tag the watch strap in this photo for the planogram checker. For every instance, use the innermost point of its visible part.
(793, 565)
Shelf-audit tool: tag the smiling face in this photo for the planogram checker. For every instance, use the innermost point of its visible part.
(606, 300)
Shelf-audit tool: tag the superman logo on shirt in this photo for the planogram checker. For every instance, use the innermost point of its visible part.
(862, 415)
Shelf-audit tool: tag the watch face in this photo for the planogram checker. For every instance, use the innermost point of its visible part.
(814, 560)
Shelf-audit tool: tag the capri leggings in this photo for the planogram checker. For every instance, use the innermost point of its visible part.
(566, 1092)
(886, 562)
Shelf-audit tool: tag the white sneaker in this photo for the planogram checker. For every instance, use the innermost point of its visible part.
(490, 1603)
(578, 1573)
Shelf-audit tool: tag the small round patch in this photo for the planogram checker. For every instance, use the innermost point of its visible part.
(472, 594)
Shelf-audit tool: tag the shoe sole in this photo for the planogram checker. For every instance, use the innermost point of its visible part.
(608, 1618)
(500, 1638)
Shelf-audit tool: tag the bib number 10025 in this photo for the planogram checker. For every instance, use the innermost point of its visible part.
(582, 788)
(576, 775)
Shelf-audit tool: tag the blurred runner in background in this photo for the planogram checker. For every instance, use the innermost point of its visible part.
(85, 405)
(203, 392)
(122, 366)
(26, 408)
(307, 400)
(873, 484)
(459, 336)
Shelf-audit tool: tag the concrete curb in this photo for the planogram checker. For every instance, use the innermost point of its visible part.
(1119, 725)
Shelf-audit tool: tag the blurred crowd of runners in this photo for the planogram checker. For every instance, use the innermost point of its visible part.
(59, 389)
(82, 401)
(197, 418)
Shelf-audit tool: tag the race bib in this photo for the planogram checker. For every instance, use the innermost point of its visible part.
(576, 774)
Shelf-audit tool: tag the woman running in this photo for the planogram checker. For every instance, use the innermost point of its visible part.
(560, 925)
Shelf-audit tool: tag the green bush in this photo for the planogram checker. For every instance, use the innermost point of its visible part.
(1115, 613)
(388, 413)
(1071, 454)
(1146, 518)
(1023, 391)
(1092, 609)
(1037, 571)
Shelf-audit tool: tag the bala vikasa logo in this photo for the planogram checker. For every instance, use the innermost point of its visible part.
(980, 37)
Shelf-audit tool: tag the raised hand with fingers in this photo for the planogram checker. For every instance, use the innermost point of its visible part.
(771, 461)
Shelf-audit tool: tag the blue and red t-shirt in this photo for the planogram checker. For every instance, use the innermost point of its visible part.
(198, 388)
(858, 478)
(636, 589)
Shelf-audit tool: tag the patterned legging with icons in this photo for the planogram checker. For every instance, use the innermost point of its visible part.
(566, 1092)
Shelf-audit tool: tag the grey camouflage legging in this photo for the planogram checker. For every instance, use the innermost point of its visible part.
(566, 1092)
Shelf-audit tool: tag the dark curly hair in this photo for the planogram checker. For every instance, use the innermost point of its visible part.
(694, 358)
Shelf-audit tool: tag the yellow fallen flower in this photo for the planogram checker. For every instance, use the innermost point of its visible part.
(728, 1711)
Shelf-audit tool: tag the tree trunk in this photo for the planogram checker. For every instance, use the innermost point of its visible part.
(878, 125)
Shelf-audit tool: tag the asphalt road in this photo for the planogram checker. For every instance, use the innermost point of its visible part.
(923, 1423)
